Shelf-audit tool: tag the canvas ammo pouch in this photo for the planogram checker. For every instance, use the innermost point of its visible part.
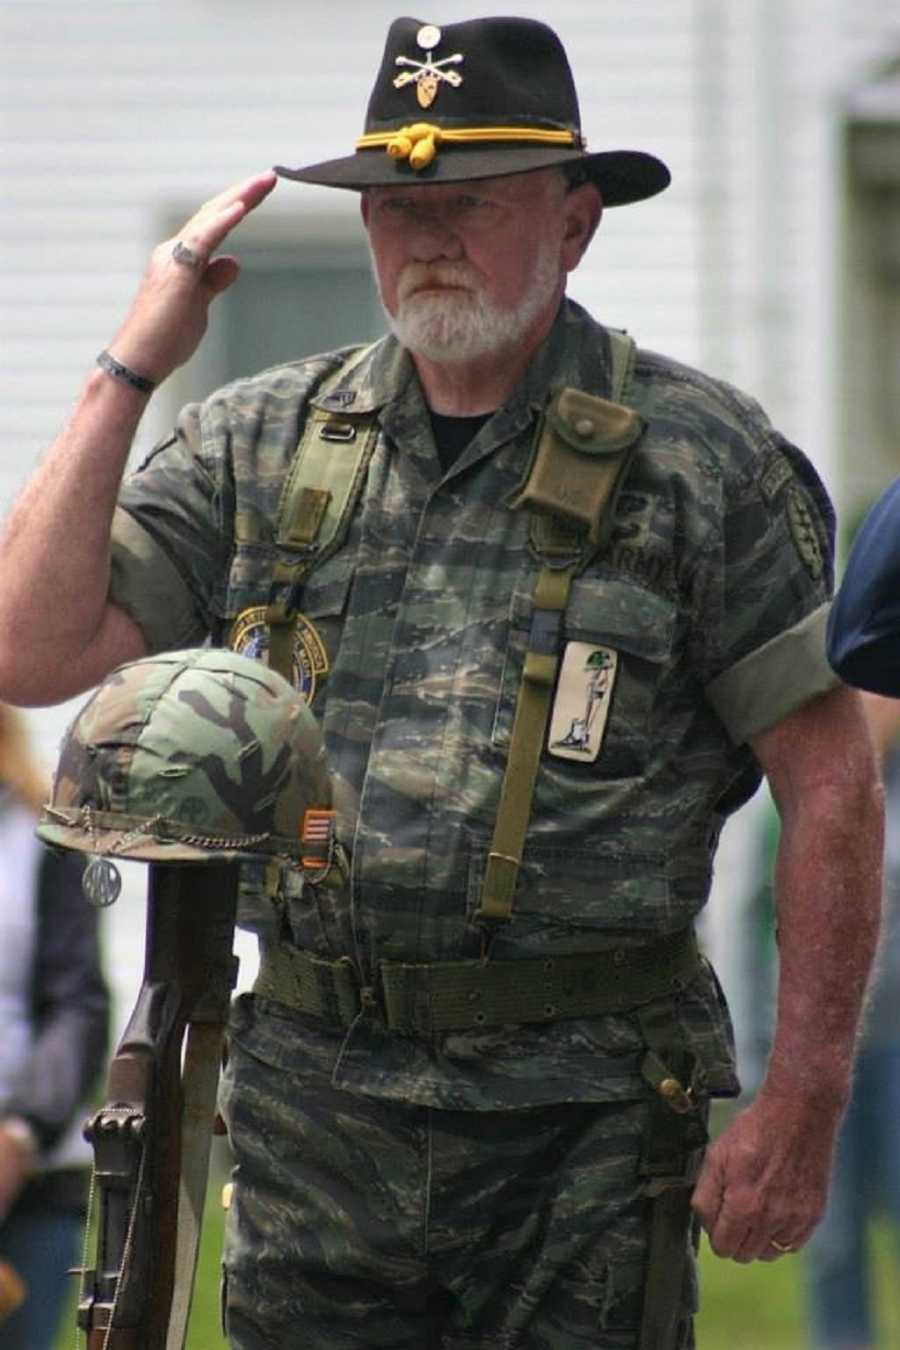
(581, 451)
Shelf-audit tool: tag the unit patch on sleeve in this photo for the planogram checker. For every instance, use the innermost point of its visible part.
(803, 531)
(250, 636)
(581, 706)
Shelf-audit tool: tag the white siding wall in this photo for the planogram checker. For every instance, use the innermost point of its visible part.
(117, 119)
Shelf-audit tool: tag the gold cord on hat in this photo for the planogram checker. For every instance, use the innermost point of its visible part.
(419, 143)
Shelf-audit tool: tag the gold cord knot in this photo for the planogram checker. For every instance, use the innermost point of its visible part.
(417, 143)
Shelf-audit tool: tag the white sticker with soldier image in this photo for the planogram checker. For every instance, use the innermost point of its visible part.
(583, 696)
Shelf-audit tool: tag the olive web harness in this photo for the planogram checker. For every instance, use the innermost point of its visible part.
(582, 450)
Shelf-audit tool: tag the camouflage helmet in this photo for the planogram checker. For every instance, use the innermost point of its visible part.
(191, 756)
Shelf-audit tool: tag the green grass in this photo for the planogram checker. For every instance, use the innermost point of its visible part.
(762, 1306)
(755, 1307)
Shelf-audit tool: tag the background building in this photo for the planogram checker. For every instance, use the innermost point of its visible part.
(772, 261)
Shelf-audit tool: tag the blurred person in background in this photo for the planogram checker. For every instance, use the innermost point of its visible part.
(863, 644)
(863, 639)
(54, 1012)
(866, 1179)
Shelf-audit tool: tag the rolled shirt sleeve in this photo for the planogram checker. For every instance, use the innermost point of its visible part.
(772, 681)
(151, 589)
(768, 588)
(169, 545)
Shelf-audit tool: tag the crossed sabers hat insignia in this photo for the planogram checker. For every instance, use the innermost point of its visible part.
(428, 73)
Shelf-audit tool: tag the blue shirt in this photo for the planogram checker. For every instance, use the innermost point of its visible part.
(863, 642)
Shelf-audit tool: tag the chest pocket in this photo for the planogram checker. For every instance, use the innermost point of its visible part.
(611, 615)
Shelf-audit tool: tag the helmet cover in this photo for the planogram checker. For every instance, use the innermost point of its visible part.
(192, 756)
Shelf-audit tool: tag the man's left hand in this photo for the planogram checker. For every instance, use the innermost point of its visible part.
(764, 1182)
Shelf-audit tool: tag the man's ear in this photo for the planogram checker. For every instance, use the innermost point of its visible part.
(583, 207)
(364, 208)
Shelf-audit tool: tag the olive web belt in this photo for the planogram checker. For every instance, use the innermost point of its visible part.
(467, 995)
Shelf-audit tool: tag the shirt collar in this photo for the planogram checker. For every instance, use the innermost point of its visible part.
(576, 352)
(372, 376)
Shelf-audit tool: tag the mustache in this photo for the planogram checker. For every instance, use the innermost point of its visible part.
(422, 276)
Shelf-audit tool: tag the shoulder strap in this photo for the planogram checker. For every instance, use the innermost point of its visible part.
(318, 499)
(326, 474)
(623, 354)
(582, 450)
(525, 745)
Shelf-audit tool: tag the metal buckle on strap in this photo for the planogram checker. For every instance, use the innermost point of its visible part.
(339, 991)
(310, 984)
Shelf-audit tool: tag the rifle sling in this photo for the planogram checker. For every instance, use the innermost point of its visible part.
(526, 744)
(202, 1058)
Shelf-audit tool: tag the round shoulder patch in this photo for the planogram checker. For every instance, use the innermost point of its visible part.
(250, 637)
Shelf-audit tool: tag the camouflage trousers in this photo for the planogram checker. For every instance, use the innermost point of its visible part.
(357, 1222)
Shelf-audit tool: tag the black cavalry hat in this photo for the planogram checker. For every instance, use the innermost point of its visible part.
(477, 100)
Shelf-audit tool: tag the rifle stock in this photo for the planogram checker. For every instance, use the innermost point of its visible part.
(189, 972)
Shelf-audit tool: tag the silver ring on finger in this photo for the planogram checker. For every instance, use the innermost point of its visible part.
(185, 256)
(782, 1247)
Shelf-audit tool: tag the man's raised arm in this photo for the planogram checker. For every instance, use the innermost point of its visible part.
(59, 634)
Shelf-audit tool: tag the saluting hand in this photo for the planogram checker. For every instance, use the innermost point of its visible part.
(170, 311)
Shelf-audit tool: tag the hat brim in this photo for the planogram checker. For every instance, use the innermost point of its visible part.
(622, 176)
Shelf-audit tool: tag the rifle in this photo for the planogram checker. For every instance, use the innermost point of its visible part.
(151, 1136)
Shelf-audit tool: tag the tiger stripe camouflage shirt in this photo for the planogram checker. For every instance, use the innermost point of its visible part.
(699, 624)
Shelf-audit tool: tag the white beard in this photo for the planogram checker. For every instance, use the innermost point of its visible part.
(463, 325)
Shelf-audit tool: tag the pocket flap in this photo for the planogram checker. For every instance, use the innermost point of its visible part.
(592, 425)
(622, 614)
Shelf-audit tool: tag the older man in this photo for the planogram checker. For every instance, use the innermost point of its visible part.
(468, 1096)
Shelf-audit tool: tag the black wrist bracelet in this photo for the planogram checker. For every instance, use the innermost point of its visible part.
(123, 373)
